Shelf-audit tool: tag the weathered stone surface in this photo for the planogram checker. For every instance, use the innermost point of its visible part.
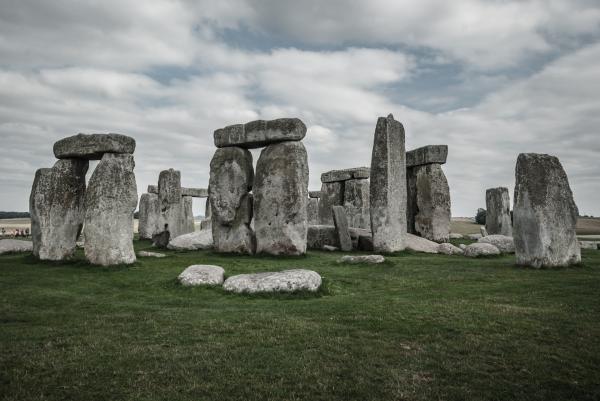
(346, 174)
(280, 197)
(312, 211)
(497, 218)
(14, 246)
(93, 146)
(474, 237)
(483, 231)
(56, 205)
(419, 244)
(340, 223)
(110, 201)
(187, 215)
(193, 241)
(194, 192)
(148, 216)
(545, 214)
(314, 194)
(231, 179)
(332, 194)
(147, 254)
(161, 239)
(367, 259)
(284, 281)
(449, 249)
(207, 209)
(202, 275)
(260, 133)
(589, 244)
(462, 246)
(206, 224)
(365, 242)
(153, 189)
(388, 186)
(430, 154)
(502, 242)
(320, 235)
(456, 236)
(481, 249)
(428, 202)
(356, 203)
(171, 206)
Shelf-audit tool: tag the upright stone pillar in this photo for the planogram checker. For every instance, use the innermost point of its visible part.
(171, 206)
(356, 203)
(110, 200)
(149, 216)
(280, 196)
(312, 211)
(56, 206)
(332, 194)
(388, 186)
(187, 215)
(544, 213)
(497, 219)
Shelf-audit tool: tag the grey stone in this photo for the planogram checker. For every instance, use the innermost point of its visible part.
(419, 244)
(202, 275)
(312, 211)
(589, 244)
(149, 216)
(260, 133)
(171, 206)
(449, 249)
(330, 248)
(206, 224)
(456, 236)
(346, 174)
(483, 231)
(367, 259)
(153, 189)
(462, 246)
(110, 200)
(356, 203)
(194, 192)
(502, 242)
(56, 206)
(388, 186)
(320, 235)
(192, 242)
(147, 254)
(430, 154)
(207, 209)
(481, 249)
(332, 194)
(497, 218)
(15, 246)
(341, 228)
(93, 146)
(284, 281)
(474, 237)
(231, 179)
(280, 197)
(545, 214)
(161, 239)
(187, 215)
(314, 194)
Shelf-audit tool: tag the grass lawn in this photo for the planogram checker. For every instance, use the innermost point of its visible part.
(419, 327)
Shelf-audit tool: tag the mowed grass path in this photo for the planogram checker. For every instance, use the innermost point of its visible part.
(419, 327)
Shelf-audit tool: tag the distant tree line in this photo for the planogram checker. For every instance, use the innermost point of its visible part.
(14, 215)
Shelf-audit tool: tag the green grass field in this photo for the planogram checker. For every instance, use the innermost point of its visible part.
(418, 327)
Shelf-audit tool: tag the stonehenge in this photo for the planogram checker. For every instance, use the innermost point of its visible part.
(497, 219)
(149, 213)
(341, 228)
(348, 188)
(260, 133)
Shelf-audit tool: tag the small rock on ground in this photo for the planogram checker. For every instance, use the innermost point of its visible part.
(151, 254)
(284, 281)
(502, 242)
(371, 259)
(202, 275)
(449, 249)
(481, 249)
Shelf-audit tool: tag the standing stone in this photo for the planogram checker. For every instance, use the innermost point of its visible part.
(187, 215)
(432, 220)
(356, 203)
(207, 209)
(497, 219)
(231, 179)
(332, 194)
(312, 211)
(110, 200)
(341, 228)
(388, 186)
(280, 197)
(149, 216)
(56, 205)
(545, 214)
(171, 206)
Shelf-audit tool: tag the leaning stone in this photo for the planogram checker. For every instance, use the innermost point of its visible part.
(456, 236)
(545, 214)
(481, 249)
(260, 133)
(502, 242)
(56, 206)
(497, 218)
(356, 203)
(148, 216)
(312, 211)
(483, 231)
(368, 259)
(15, 246)
(193, 241)
(93, 146)
(346, 174)
(419, 244)
(171, 206)
(153, 189)
(430, 154)
(284, 281)
(330, 248)
(332, 194)
(148, 254)
(449, 249)
(341, 228)
(388, 186)
(314, 194)
(110, 200)
(202, 275)
(194, 192)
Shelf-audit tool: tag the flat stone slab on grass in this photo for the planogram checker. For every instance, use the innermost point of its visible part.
(15, 245)
(260, 133)
(284, 281)
(481, 249)
(148, 254)
(92, 146)
(420, 244)
(202, 275)
(502, 242)
(449, 249)
(354, 259)
(194, 241)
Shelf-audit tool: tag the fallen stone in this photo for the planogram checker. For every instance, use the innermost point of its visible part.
(481, 249)
(202, 275)
(148, 216)
(346, 174)
(148, 254)
(474, 237)
(449, 249)
(430, 154)
(356, 203)
(456, 236)
(260, 133)
(462, 246)
(194, 192)
(93, 146)
(497, 218)
(420, 244)
(192, 242)
(314, 194)
(332, 194)
(368, 259)
(15, 246)
(284, 281)
(330, 248)
(502, 242)
(589, 245)
(340, 223)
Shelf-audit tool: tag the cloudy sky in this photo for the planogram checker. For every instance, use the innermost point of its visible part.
(489, 78)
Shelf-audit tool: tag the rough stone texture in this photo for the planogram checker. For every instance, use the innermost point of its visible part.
(56, 205)
(481, 249)
(346, 174)
(193, 241)
(260, 133)
(153, 189)
(332, 194)
(341, 228)
(14, 246)
(497, 218)
(502, 242)
(419, 244)
(202, 275)
(449, 249)
(368, 259)
(388, 186)
(231, 179)
(462, 246)
(194, 192)
(207, 209)
(483, 231)
(161, 239)
(110, 200)
(456, 236)
(280, 197)
(474, 237)
(356, 203)
(148, 216)
(321, 235)
(312, 211)
(187, 215)
(314, 194)
(171, 206)
(589, 244)
(428, 202)
(206, 224)
(365, 242)
(430, 154)
(93, 146)
(284, 281)
(544, 213)
(148, 254)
